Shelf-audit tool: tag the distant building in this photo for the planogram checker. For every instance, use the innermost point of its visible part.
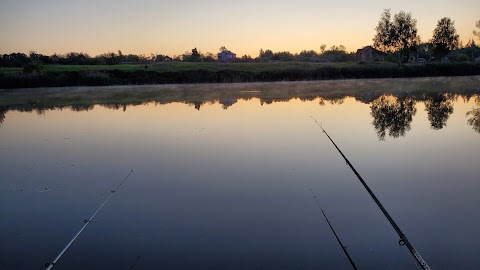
(227, 56)
(369, 54)
(477, 59)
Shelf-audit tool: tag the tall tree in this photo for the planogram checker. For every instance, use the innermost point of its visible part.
(322, 48)
(405, 36)
(477, 33)
(399, 35)
(383, 36)
(195, 56)
(445, 37)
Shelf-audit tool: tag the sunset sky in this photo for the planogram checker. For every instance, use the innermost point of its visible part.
(174, 26)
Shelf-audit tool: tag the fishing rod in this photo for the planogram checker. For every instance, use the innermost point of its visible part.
(403, 238)
(336, 236)
(86, 221)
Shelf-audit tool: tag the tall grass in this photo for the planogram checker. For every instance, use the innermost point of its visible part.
(230, 73)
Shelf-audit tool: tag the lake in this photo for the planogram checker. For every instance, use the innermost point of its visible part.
(222, 175)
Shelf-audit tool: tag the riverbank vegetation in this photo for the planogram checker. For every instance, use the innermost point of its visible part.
(181, 73)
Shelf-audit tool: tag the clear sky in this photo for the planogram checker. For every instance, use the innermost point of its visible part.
(174, 26)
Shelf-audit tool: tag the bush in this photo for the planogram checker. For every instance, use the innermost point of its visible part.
(35, 67)
(462, 57)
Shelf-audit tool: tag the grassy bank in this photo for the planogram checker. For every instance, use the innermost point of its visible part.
(182, 73)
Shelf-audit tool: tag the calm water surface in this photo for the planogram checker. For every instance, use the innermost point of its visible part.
(224, 183)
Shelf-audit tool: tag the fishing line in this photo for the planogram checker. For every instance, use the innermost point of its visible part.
(134, 263)
(344, 248)
(86, 221)
(403, 238)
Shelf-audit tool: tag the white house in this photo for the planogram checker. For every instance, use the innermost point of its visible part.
(227, 56)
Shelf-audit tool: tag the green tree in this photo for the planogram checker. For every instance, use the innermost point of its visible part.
(445, 37)
(405, 36)
(399, 35)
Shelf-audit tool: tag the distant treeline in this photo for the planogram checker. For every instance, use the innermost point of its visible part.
(334, 54)
(291, 73)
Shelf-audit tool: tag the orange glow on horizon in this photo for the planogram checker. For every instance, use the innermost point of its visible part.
(174, 27)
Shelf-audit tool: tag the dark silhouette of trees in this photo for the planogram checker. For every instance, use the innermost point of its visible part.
(192, 57)
(445, 37)
(474, 119)
(337, 54)
(323, 47)
(477, 33)
(307, 56)
(14, 60)
(383, 37)
(245, 59)
(439, 108)
(392, 114)
(34, 67)
(160, 58)
(209, 57)
(266, 55)
(399, 36)
(283, 56)
(2, 116)
(405, 37)
(198, 105)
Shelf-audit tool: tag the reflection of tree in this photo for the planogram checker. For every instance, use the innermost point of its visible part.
(333, 100)
(117, 106)
(2, 116)
(392, 114)
(198, 104)
(439, 108)
(474, 120)
(81, 107)
(227, 102)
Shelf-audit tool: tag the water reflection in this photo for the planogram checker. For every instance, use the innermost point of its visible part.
(474, 114)
(392, 102)
(227, 102)
(392, 114)
(2, 116)
(83, 107)
(439, 108)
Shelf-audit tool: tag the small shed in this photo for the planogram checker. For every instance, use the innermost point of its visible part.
(369, 54)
